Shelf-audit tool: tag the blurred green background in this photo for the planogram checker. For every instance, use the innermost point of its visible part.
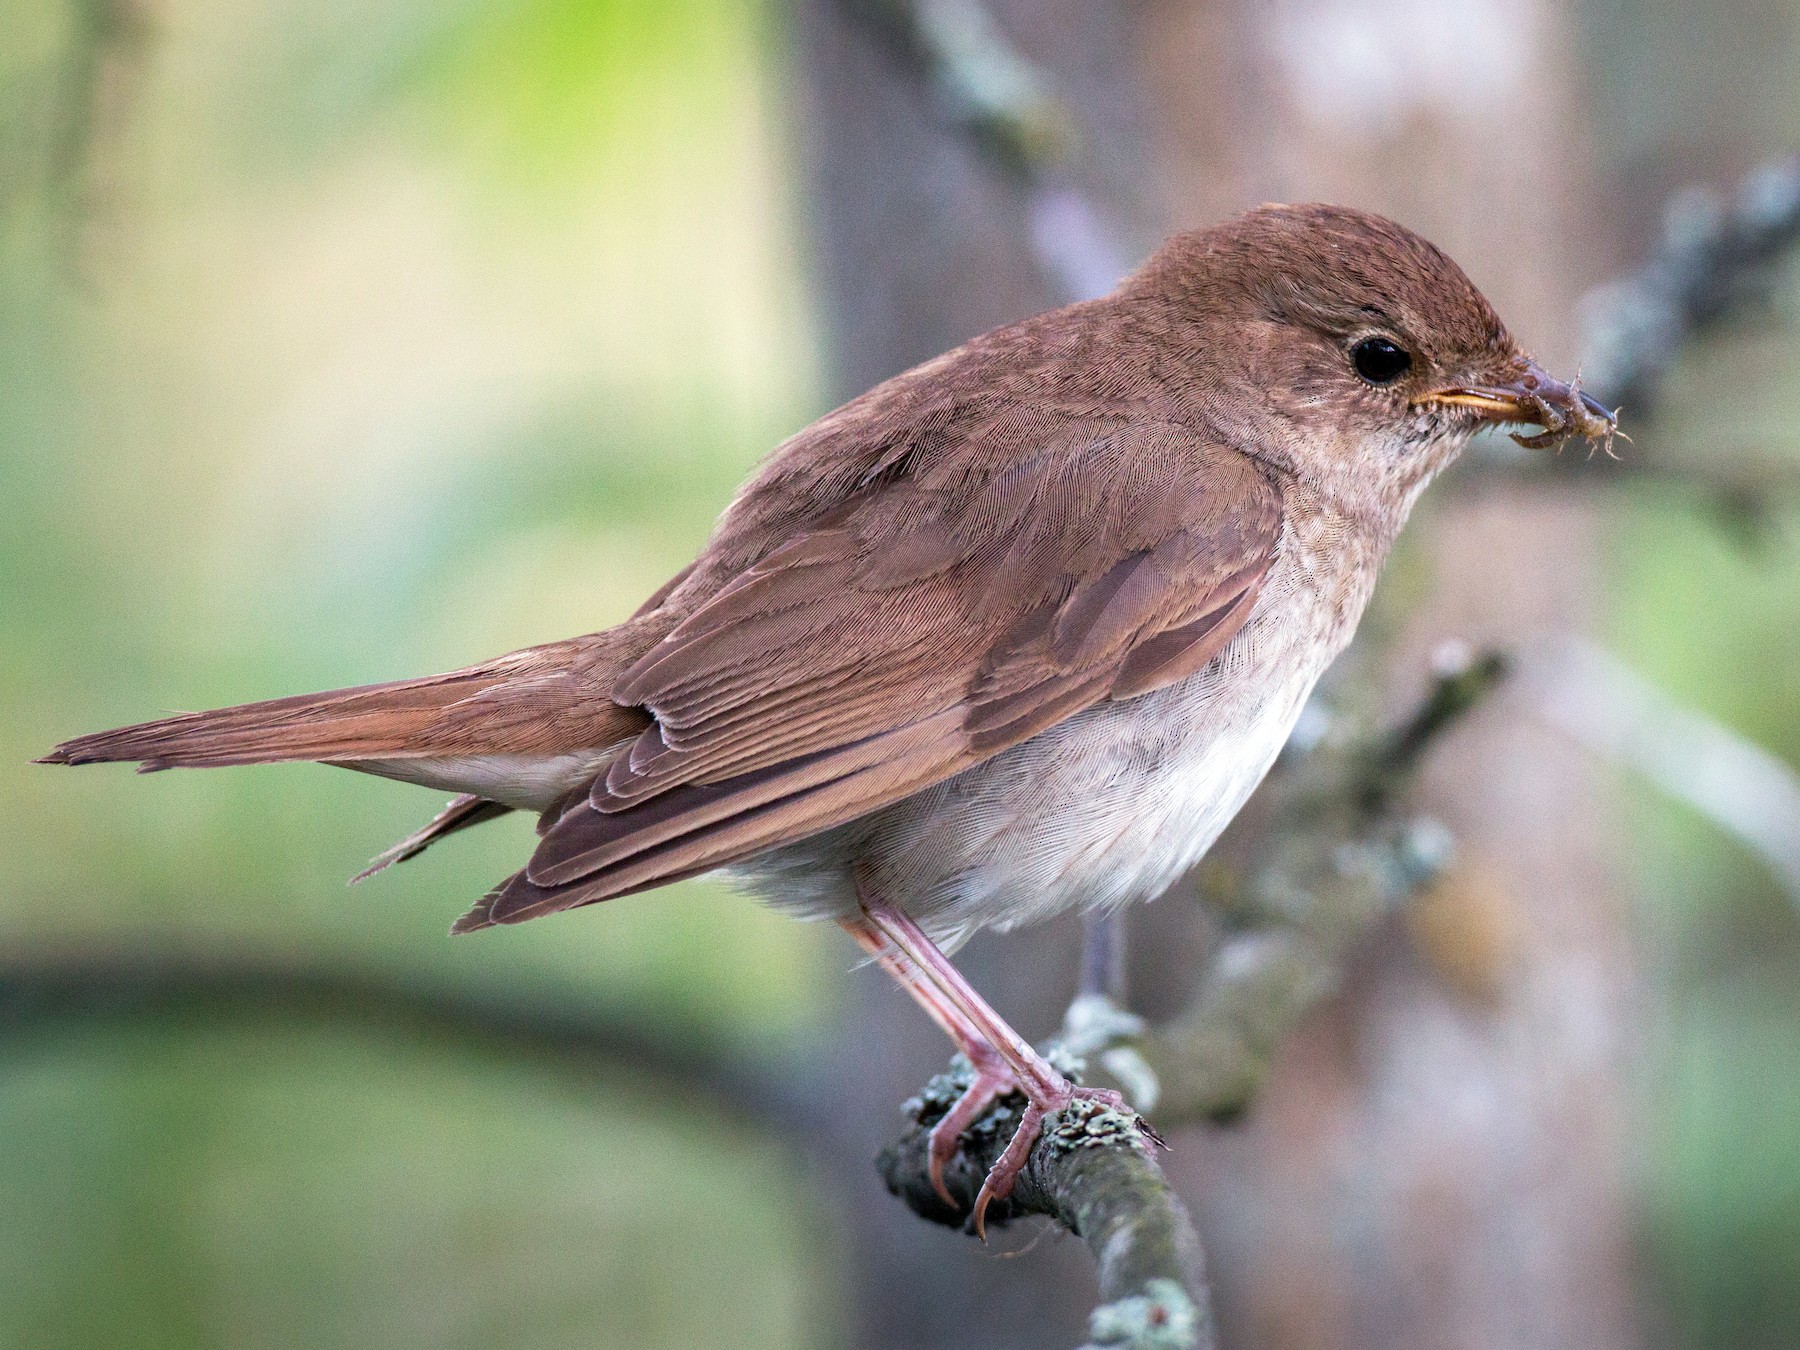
(339, 342)
(342, 341)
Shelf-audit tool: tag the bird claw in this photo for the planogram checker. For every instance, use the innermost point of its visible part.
(1004, 1174)
(991, 1082)
(998, 1184)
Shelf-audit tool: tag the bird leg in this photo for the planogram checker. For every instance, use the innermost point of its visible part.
(1021, 1068)
(992, 1077)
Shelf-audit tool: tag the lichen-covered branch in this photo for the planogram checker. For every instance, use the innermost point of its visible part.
(1093, 1172)
(1338, 858)
(1718, 260)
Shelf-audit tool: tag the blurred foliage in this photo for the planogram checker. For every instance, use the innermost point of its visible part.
(1706, 603)
(1711, 613)
(339, 342)
(319, 414)
(259, 1187)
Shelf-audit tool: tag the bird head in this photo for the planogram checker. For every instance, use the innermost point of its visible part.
(1351, 352)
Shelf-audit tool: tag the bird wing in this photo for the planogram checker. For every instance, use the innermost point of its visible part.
(913, 630)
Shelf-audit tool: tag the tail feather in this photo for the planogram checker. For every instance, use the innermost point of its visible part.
(462, 812)
(370, 721)
(539, 701)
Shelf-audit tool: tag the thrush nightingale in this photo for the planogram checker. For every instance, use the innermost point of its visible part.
(1015, 632)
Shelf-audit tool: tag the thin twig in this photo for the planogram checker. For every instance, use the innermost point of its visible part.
(1718, 260)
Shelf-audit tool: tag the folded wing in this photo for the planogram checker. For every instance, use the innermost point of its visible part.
(906, 635)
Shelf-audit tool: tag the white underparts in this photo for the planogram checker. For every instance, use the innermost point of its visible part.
(526, 782)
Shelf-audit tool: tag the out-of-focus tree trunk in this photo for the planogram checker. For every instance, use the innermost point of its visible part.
(1438, 1158)
(919, 244)
(1433, 1167)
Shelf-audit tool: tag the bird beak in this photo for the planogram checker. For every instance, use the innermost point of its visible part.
(1535, 399)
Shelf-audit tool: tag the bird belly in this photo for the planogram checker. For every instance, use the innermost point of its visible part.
(1108, 808)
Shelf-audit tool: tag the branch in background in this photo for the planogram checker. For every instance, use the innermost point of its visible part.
(1091, 1171)
(48, 991)
(1461, 679)
(1001, 103)
(1719, 260)
(1338, 858)
(1605, 705)
(992, 95)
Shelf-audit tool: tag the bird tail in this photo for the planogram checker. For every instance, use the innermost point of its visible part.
(531, 704)
(520, 731)
(375, 721)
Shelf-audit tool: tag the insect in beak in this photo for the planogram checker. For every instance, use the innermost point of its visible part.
(1538, 399)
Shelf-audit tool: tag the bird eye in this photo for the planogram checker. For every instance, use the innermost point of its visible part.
(1380, 361)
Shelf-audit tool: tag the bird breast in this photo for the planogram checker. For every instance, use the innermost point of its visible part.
(1113, 805)
(1110, 807)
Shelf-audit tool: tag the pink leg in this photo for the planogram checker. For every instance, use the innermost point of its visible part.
(945, 1013)
(993, 1077)
(1046, 1090)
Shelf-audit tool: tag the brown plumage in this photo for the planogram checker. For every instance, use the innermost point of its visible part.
(462, 811)
(1062, 512)
(530, 702)
(1017, 630)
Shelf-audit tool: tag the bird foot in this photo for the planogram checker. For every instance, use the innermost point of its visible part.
(993, 1079)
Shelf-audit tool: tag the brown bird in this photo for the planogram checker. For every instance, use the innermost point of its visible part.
(1015, 632)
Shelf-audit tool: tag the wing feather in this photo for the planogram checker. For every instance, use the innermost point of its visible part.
(907, 634)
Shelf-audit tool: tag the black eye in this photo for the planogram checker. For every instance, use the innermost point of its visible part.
(1379, 361)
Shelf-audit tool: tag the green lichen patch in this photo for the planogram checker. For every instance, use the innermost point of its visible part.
(1086, 1123)
(941, 1092)
(1163, 1317)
